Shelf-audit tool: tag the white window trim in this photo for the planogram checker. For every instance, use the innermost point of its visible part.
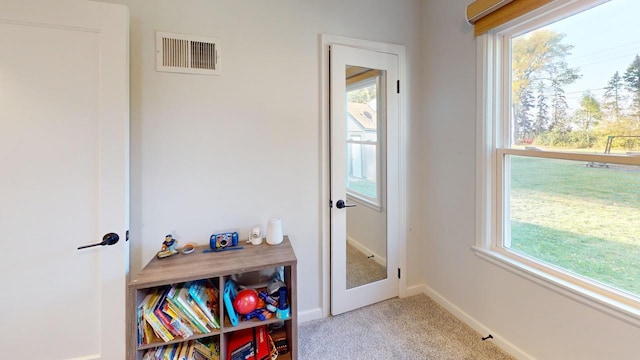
(363, 199)
(490, 83)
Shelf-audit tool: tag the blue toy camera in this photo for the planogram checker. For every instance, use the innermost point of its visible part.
(223, 240)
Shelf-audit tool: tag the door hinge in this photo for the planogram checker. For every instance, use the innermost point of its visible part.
(398, 86)
(126, 238)
(398, 273)
(330, 203)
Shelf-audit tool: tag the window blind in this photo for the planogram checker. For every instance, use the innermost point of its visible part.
(488, 14)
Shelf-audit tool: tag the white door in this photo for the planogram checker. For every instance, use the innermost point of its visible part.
(64, 123)
(364, 159)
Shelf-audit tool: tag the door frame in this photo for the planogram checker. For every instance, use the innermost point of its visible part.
(325, 171)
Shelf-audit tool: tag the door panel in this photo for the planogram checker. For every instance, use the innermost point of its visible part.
(64, 130)
(364, 173)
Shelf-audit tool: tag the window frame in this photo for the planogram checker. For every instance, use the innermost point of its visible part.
(493, 145)
(373, 203)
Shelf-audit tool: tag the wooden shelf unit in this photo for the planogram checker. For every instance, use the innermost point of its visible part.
(218, 266)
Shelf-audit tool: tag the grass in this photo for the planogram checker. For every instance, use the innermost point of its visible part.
(585, 220)
(363, 186)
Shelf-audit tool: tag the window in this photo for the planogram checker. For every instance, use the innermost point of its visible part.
(364, 132)
(559, 156)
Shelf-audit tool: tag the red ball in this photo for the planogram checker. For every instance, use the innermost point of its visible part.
(246, 301)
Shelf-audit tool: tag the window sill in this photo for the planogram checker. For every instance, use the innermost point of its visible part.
(617, 309)
(352, 198)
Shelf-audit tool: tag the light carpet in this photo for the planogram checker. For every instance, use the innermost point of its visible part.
(361, 269)
(411, 328)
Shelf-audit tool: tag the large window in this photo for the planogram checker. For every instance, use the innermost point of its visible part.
(559, 157)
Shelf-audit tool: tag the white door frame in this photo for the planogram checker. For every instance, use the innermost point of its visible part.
(325, 227)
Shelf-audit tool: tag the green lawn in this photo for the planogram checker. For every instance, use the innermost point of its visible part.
(585, 220)
(363, 186)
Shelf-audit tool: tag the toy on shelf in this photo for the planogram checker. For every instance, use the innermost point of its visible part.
(223, 242)
(168, 247)
(246, 301)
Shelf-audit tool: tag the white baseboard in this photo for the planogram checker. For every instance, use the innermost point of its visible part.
(308, 315)
(366, 251)
(499, 340)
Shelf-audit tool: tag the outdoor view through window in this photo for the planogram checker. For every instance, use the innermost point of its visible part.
(575, 88)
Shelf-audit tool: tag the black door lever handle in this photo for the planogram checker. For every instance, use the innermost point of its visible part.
(340, 204)
(107, 239)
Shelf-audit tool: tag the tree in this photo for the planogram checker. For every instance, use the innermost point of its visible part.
(632, 84)
(542, 116)
(539, 58)
(521, 115)
(612, 98)
(588, 115)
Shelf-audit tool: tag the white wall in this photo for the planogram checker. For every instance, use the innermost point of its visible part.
(524, 315)
(225, 153)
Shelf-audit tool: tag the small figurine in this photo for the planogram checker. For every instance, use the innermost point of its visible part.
(168, 247)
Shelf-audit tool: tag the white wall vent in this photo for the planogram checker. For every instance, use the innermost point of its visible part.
(187, 54)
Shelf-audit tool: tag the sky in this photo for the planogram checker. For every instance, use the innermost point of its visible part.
(606, 39)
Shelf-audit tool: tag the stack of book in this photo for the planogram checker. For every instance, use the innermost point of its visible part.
(191, 350)
(178, 312)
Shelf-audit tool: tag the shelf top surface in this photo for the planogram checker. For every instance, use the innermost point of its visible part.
(199, 265)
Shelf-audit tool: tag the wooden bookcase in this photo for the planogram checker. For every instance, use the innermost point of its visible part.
(218, 266)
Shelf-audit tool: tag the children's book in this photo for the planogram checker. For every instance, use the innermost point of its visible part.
(179, 296)
(205, 294)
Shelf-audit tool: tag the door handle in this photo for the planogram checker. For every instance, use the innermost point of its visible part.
(340, 204)
(107, 239)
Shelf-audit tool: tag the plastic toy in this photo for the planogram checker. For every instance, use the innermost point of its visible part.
(228, 295)
(283, 311)
(223, 240)
(168, 247)
(246, 301)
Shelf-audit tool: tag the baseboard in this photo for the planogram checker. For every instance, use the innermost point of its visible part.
(308, 315)
(499, 340)
(366, 251)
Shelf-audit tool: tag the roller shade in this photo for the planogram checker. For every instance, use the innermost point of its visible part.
(488, 14)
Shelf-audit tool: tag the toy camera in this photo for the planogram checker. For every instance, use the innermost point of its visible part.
(222, 240)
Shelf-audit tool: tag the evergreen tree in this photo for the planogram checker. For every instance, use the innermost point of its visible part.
(612, 98)
(522, 115)
(632, 84)
(542, 116)
(539, 58)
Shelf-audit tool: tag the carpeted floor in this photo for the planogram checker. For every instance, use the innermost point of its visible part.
(362, 270)
(414, 328)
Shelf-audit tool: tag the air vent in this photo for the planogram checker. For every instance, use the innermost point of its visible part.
(187, 54)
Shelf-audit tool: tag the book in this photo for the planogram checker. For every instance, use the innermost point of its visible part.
(201, 315)
(208, 349)
(178, 324)
(175, 312)
(178, 296)
(206, 295)
(164, 319)
(151, 318)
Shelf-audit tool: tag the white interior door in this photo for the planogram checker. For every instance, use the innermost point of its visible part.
(64, 123)
(364, 130)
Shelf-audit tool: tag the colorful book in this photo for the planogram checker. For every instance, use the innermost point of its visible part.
(151, 318)
(179, 296)
(201, 315)
(172, 310)
(205, 294)
(208, 350)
